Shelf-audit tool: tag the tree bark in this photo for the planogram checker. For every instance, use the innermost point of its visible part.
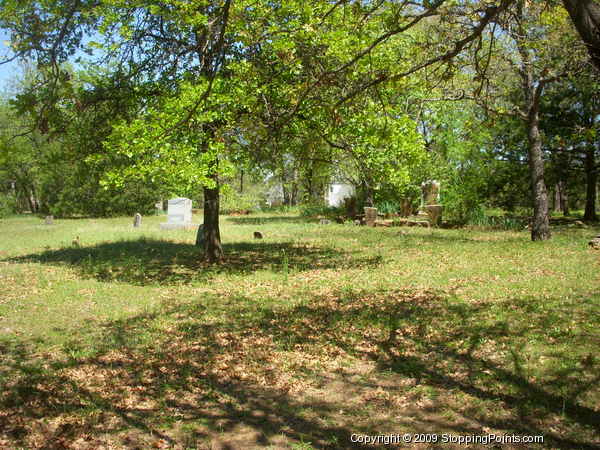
(563, 197)
(540, 227)
(369, 194)
(591, 179)
(585, 15)
(213, 251)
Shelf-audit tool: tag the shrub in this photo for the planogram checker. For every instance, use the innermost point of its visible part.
(8, 205)
(320, 210)
(387, 207)
(232, 201)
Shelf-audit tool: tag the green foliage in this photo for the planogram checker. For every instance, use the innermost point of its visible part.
(232, 201)
(8, 205)
(387, 207)
(312, 210)
(478, 217)
(384, 147)
(463, 198)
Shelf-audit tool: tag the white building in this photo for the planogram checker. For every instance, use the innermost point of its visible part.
(338, 192)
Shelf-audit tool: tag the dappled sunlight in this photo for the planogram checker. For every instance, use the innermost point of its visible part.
(149, 261)
(235, 372)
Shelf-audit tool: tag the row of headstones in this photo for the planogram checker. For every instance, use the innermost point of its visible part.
(179, 214)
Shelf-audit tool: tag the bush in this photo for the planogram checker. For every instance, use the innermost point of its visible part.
(320, 210)
(387, 207)
(478, 217)
(232, 201)
(8, 205)
(463, 199)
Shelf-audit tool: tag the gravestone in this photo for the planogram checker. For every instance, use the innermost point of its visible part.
(324, 221)
(179, 214)
(434, 213)
(406, 208)
(137, 220)
(430, 193)
(49, 220)
(200, 236)
(430, 202)
(370, 216)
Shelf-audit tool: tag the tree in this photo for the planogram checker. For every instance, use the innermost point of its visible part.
(531, 54)
(585, 15)
(189, 48)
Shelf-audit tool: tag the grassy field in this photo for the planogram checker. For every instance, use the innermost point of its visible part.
(305, 339)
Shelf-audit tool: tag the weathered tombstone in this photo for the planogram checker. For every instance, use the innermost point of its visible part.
(370, 216)
(324, 221)
(430, 199)
(137, 220)
(179, 214)
(434, 213)
(406, 208)
(595, 243)
(49, 220)
(200, 236)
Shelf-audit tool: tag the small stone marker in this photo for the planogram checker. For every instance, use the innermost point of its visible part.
(430, 198)
(370, 216)
(324, 221)
(179, 214)
(258, 235)
(137, 220)
(434, 213)
(200, 236)
(49, 220)
(406, 207)
(595, 243)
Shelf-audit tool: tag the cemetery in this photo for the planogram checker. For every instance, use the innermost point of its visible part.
(299, 225)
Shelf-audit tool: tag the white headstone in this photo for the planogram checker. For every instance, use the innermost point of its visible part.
(179, 213)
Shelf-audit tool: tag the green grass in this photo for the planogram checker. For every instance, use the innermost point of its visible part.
(298, 340)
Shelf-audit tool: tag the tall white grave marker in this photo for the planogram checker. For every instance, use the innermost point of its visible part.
(179, 214)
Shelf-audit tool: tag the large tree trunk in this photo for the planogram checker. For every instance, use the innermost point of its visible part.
(213, 251)
(585, 15)
(540, 227)
(591, 179)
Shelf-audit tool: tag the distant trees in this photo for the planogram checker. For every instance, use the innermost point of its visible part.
(189, 90)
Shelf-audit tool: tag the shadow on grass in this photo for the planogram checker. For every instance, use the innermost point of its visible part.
(150, 261)
(243, 378)
(240, 220)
